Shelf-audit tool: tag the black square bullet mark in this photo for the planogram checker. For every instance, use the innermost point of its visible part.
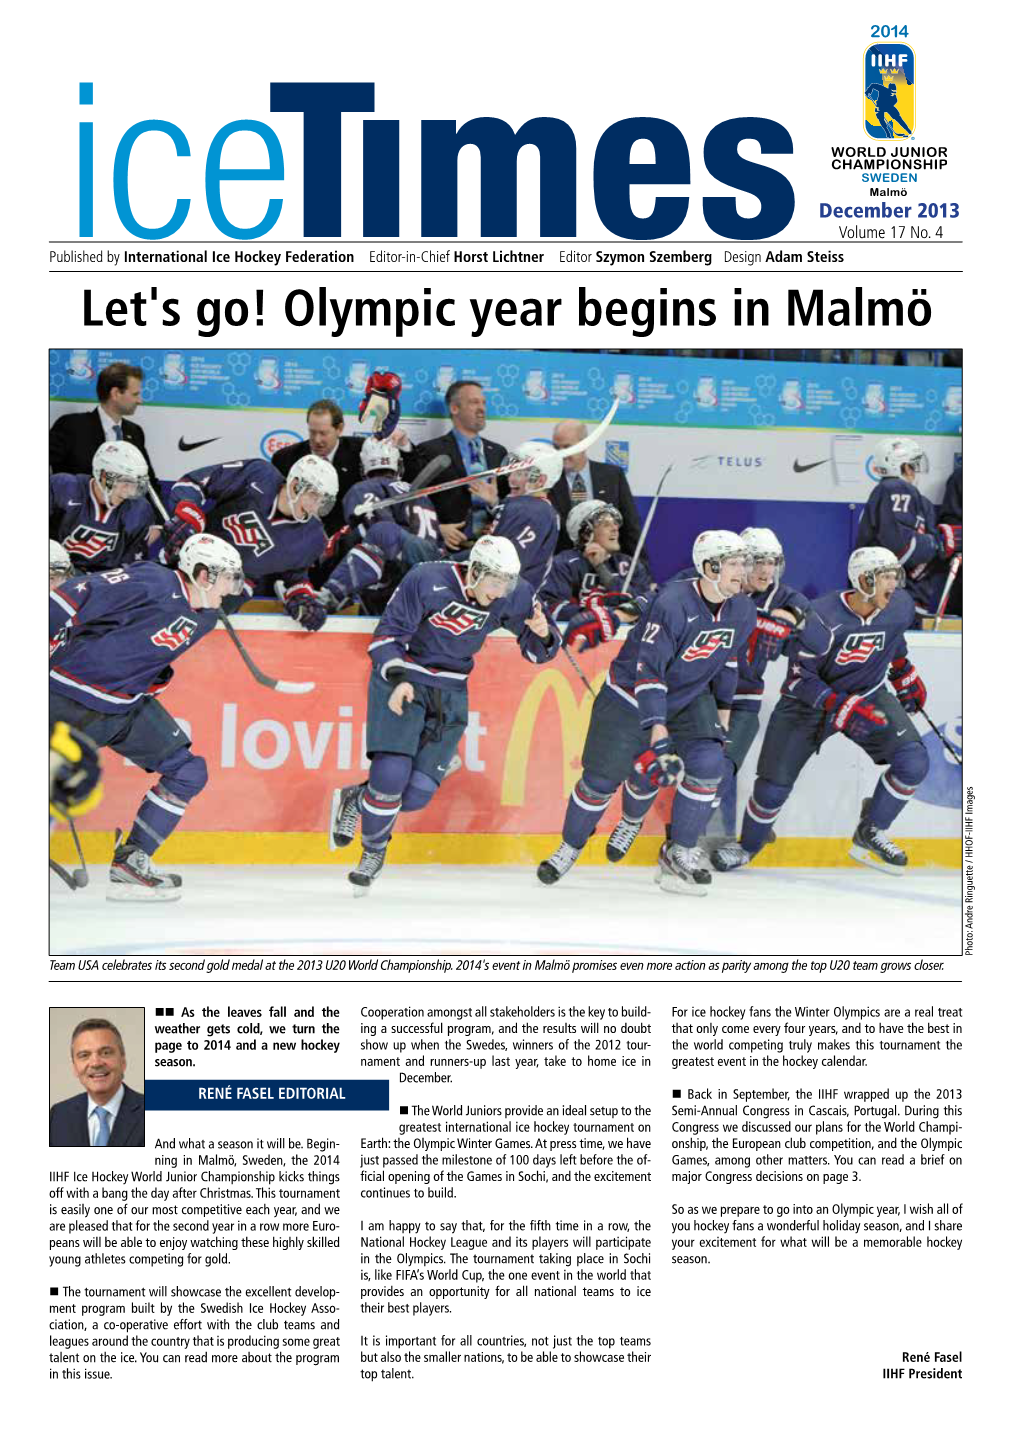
(403, 1111)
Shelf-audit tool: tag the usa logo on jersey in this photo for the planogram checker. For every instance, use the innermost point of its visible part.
(706, 643)
(247, 529)
(458, 619)
(88, 543)
(860, 647)
(176, 634)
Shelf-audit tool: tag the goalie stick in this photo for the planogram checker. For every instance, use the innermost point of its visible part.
(288, 688)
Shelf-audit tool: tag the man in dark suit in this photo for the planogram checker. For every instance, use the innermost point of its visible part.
(108, 1113)
(75, 438)
(467, 451)
(326, 439)
(585, 480)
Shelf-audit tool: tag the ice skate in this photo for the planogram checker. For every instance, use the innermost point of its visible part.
(875, 848)
(556, 866)
(683, 870)
(623, 836)
(344, 814)
(367, 869)
(133, 877)
(731, 856)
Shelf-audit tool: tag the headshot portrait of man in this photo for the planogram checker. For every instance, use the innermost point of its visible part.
(108, 1113)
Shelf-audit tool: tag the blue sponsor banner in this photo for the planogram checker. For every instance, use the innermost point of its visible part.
(547, 385)
(267, 1096)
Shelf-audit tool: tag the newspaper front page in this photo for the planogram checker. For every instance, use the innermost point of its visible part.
(536, 985)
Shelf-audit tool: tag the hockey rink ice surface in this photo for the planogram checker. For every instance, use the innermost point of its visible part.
(475, 911)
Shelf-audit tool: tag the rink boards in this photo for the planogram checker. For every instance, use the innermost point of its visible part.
(274, 761)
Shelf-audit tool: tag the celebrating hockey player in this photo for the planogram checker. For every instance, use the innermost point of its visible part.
(105, 519)
(849, 673)
(422, 655)
(901, 518)
(274, 526)
(119, 630)
(781, 611)
(526, 517)
(400, 538)
(583, 590)
(656, 721)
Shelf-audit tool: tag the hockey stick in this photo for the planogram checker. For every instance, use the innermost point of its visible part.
(79, 877)
(65, 876)
(954, 571)
(584, 445)
(950, 748)
(577, 667)
(644, 532)
(289, 688)
(435, 467)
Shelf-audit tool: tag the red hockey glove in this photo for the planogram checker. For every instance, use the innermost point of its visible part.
(907, 684)
(659, 764)
(854, 716)
(592, 626)
(950, 539)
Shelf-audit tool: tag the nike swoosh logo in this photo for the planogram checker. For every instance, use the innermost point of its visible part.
(183, 445)
(439, 588)
(798, 468)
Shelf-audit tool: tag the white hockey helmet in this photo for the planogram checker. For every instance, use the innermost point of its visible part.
(545, 469)
(867, 563)
(494, 556)
(585, 516)
(380, 455)
(216, 556)
(316, 475)
(120, 461)
(60, 564)
(713, 547)
(762, 544)
(892, 455)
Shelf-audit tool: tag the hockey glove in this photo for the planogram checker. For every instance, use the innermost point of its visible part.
(950, 540)
(768, 638)
(74, 772)
(187, 520)
(907, 684)
(303, 606)
(854, 716)
(659, 765)
(380, 408)
(592, 626)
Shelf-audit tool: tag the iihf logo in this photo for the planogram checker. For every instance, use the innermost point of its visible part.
(860, 647)
(890, 103)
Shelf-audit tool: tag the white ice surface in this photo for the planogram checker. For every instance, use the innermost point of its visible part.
(474, 911)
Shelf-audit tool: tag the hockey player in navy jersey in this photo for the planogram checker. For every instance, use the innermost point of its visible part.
(849, 674)
(274, 525)
(658, 720)
(780, 612)
(901, 518)
(117, 631)
(401, 536)
(584, 588)
(527, 517)
(105, 519)
(422, 655)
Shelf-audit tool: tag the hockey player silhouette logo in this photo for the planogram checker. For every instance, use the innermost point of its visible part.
(706, 643)
(857, 648)
(247, 530)
(176, 634)
(889, 91)
(458, 619)
(88, 543)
